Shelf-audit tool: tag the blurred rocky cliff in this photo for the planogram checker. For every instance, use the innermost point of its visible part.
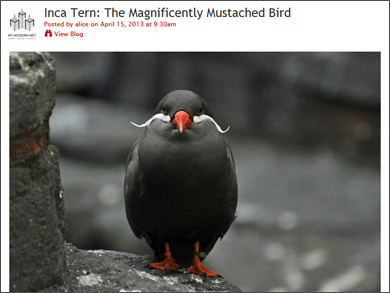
(305, 133)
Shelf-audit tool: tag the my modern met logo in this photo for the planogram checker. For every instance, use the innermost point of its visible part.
(22, 26)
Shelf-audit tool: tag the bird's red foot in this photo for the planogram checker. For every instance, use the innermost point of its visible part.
(168, 263)
(198, 268)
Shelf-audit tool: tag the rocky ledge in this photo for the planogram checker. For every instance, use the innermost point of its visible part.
(105, 270)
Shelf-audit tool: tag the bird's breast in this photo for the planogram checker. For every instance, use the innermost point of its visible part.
(192, 159)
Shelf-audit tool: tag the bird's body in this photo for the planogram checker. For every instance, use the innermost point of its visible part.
(180, 184)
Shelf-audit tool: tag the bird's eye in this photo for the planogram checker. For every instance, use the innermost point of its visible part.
(162, 109)
(201, 110)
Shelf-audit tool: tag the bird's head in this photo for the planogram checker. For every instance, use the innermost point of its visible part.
(182, 108)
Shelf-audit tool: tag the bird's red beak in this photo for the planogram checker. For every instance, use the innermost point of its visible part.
(182, 120)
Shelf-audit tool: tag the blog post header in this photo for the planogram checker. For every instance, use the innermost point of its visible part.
(206, 25)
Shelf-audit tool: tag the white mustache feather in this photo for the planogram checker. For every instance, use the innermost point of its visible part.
(159, 116)
(203, 117)
(166, 118)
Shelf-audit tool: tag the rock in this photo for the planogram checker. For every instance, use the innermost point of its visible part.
(32, 98)
(37, 223)
(108, 271)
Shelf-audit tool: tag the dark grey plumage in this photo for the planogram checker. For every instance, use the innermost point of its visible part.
(181, 188)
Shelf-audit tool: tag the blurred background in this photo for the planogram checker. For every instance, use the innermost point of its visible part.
(305, 134)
